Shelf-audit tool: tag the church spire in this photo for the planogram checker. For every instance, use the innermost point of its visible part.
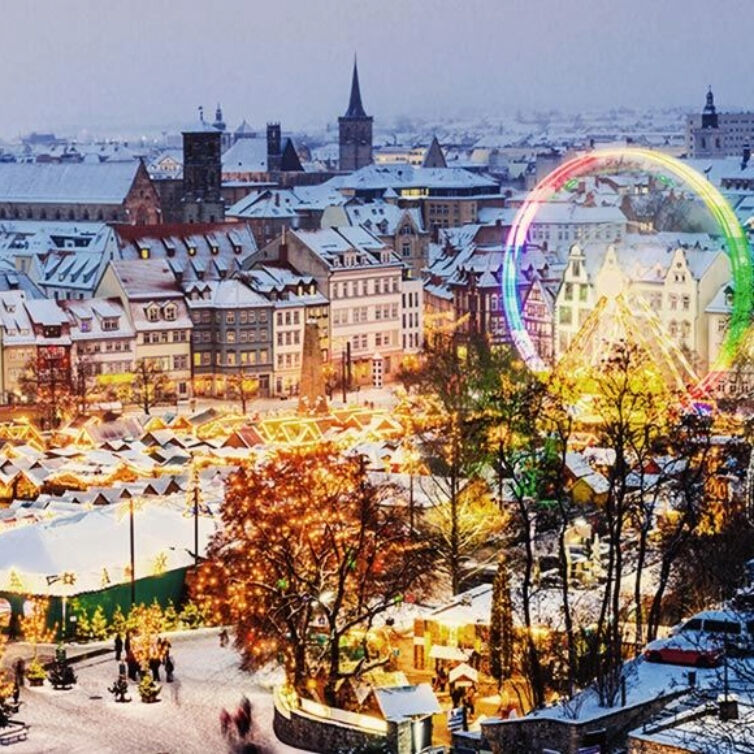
(355, 108)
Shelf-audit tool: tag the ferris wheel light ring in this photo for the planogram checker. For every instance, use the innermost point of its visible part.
(737, 246)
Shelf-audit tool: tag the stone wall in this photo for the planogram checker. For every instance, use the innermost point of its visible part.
(303, 731)
(535, 734)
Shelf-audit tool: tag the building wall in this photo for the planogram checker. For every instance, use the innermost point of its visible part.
(230, 342)
(355, 142)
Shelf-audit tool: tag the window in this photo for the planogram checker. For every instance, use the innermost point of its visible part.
(153, 313)
(180, 361)
(686, 302)
(262, 317)
(86, 325)
(170, 312)
(568, 292)
(230, 317)
(564, 315)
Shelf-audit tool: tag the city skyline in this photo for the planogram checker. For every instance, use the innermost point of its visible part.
(265, 63)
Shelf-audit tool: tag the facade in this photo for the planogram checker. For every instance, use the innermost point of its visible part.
(677, 285)
(158, 314)
(400, 228)
(355, 131)
(296, 302)
(119, 192)
(714, 134)
(231, 338)
(202, 201)
(361, 277)
(103, 339)
(446, 197)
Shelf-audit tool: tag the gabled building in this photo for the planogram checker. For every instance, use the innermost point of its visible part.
(295, 301)
(401, 228)
(362, 278)
(157, 311)
(35, 333)
(231, 337)
(103, 339)
(212, 251)
(119, 192)
(676, 283)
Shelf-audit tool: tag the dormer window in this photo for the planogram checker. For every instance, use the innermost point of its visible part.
(144, 252)
(192, 251)
(110, 323)
(170, 312)
(214, 249)
(236, 249)
(153, 313)
(86, 324)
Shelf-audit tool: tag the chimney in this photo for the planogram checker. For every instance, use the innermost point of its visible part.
(283, 248)
(727, 707)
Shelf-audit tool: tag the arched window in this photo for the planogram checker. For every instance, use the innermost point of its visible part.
(85, 214)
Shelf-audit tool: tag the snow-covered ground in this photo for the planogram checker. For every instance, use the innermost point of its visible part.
(86, 720)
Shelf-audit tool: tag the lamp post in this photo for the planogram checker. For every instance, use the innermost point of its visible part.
(133, 558)
(195, 495)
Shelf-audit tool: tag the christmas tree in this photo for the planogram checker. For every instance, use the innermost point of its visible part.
(98, 626)
(501, 626)
(61, 676)
(120, 689)
(34, 622)
(83, 626)
(119, 622)
(6, 685)
(148, 689)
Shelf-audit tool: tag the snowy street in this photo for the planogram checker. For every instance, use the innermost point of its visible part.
(86, 720)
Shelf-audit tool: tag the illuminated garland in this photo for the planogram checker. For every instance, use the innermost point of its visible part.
(616, 160)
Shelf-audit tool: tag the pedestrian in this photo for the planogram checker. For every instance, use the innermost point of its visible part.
(133, 666)
(154, 667)
(16, 692)
(169, 667)
(20, 671)
(122, 668)
(127, 643)
(224, 638)
(118, 647)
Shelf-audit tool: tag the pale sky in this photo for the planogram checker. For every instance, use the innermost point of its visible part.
(124, 64)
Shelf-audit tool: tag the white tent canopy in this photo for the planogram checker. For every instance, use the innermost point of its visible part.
(90, 550)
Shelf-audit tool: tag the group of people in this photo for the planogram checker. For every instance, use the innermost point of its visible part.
(236, 728)
(159, 657)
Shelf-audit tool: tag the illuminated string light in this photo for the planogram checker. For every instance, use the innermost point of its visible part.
(564, 176)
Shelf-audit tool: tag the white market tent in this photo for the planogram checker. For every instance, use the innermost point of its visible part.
(463, 673)
(399, 702)
(90, 550)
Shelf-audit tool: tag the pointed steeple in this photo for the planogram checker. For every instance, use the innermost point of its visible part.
(219, 123)
(355, 108)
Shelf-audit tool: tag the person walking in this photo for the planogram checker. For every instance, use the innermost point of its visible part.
(169, 667)
(154, 667)
(118, 647)
(19, 670)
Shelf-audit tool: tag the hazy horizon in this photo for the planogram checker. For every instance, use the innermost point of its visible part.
(147, 63)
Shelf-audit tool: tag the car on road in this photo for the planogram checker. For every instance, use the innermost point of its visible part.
(704, 639)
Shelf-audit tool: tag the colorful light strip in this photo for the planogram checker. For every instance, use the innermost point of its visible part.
(615, 161)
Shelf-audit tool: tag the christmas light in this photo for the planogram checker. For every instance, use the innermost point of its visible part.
(616, 160)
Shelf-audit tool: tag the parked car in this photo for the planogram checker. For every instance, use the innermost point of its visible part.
(703, 639)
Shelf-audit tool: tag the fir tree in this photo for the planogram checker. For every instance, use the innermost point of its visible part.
(170, 617)
(118, 623)
(83, 624)
(98, 625)
(148, 689)
(501, 626)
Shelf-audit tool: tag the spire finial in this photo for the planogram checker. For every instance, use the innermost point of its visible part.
(355, 108)
(201, 114)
